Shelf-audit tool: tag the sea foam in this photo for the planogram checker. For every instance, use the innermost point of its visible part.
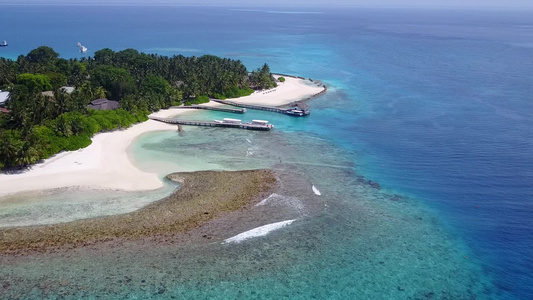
(269, 199)
(316, 191)
(284, 203)
(256, 232)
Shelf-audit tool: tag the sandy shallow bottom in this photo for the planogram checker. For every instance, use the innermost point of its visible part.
(215, 205)
(332, 248)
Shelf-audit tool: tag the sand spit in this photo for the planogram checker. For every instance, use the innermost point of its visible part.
(202, 197)
(293, 89)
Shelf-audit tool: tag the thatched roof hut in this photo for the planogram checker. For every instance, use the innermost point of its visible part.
(103, 104)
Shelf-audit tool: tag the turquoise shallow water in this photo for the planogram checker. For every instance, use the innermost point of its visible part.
(69, 204)
(364, 241)
(367, 242)
(432, 105)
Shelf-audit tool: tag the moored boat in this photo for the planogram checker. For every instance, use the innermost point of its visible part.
(3, 43)
(231, 121)
(296, 112)
(82, 48)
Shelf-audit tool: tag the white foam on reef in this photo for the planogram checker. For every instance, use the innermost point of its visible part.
(285, 203)
(256, 232)
(268, 199)
(316, 191)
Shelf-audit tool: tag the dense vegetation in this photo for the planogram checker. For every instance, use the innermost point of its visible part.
(39, 124)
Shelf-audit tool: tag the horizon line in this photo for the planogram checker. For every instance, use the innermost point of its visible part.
(162, 4)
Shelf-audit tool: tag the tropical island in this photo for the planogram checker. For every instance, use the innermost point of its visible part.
(58, 105)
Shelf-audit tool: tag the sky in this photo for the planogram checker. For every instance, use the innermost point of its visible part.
(380, 3)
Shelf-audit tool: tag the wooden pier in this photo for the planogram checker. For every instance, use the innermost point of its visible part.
(230, 110)
(248, 126)
(286, 111)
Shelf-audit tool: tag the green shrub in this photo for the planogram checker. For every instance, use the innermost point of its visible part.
(197, 100)
(220, 96)
(281, 79)
(201, 99)
(235, 92)
(76, 142)
(49, 142)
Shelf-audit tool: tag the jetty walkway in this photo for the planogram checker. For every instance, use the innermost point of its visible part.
(287, 111)
(248, 126)
(231, 110)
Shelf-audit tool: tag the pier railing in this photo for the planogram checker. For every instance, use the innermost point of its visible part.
(287, 111)
(248, 126)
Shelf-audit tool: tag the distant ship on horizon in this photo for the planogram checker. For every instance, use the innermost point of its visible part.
(82, 48)
(3, 44)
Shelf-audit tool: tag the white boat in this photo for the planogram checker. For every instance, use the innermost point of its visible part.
(230, 120)
(82, 48)
(260, 122)
(3, 43)
(296, 112)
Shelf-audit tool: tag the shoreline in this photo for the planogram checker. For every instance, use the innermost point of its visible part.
(105, 164)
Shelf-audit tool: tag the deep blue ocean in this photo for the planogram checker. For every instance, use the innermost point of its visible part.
(434, 105)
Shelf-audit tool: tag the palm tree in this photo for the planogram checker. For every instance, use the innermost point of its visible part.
(100, 92)
(10, 145)
(27, 155)
(62, 101)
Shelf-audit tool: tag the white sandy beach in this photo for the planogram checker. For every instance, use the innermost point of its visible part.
(291, 90)
(105, 163)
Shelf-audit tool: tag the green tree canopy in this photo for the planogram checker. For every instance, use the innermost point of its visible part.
(155, 84)
(35, 82)
(57, 80)
(42, 55)
(262, 78)
(117, 81)
(105, 56)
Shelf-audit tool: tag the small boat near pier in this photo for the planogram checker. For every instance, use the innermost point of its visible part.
(82, 48)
